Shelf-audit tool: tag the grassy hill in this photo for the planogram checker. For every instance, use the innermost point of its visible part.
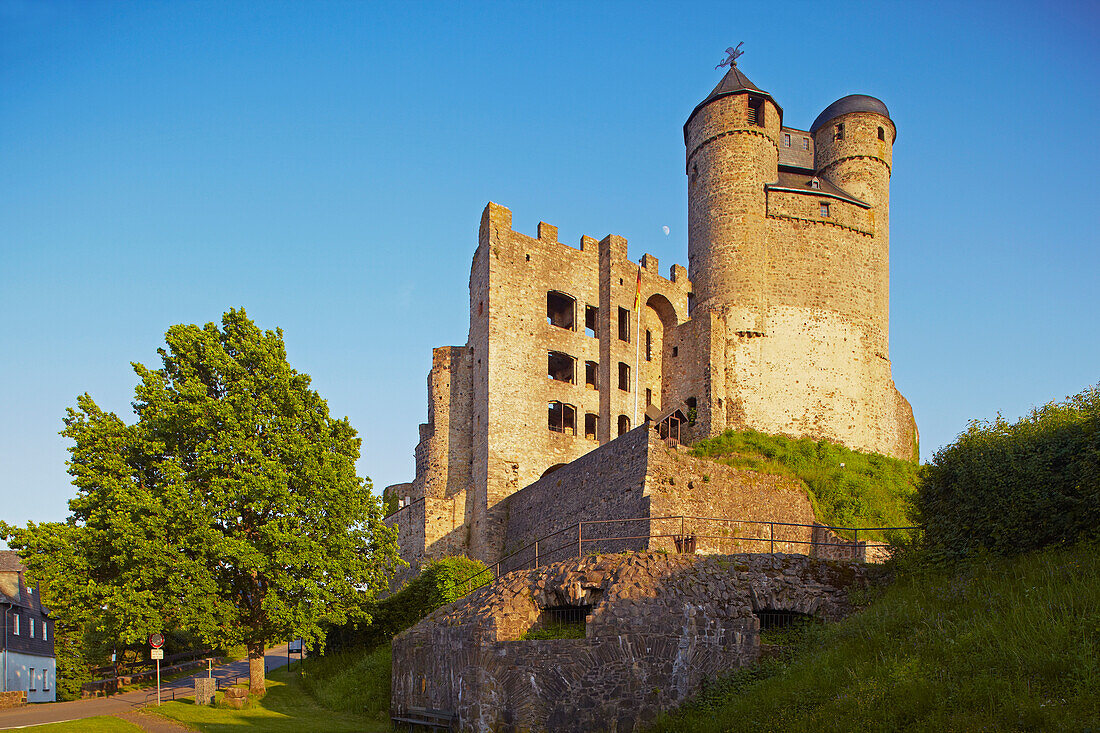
(1012, 644)
(847, 488)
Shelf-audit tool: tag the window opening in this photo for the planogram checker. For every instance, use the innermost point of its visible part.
(756, 111)
(624, 424)
(15, 625)
(805, 143)
(33, 677)
(786, 140)
(881, 134)
(648, 345)
(624, 376)
(777, 618)
(591, 318)
(559, 310)
(815, 183)
(624, 324)
(560, 622)
(31, 626)
(839, 133)
(693, 409)
(560, 367)
(563, 418)
(824, 209)
(648, 396)
(528, 258)
(675, 350)
(591, 422)
(592, 374)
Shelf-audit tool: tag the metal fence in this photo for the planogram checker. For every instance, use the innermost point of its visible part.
(684, 535)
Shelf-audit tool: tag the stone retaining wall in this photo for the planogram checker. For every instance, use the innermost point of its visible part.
(657, 626)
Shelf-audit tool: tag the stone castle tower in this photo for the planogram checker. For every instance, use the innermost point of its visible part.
(780, 323)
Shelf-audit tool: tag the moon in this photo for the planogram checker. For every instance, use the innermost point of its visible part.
(665, 230)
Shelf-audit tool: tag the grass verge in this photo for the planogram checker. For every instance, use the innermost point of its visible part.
(286, 708)
(847, 488)
(98, 724)
(1005, 645)
(353, 682)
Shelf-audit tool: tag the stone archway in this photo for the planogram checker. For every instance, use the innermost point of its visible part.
(659, 320)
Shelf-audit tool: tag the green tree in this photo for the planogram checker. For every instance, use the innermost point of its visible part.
(231, 507)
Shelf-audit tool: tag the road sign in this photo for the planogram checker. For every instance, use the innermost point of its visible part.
(156, 640)
(156, 654)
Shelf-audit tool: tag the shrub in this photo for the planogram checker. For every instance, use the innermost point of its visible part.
(438, 584)
(1009, 488)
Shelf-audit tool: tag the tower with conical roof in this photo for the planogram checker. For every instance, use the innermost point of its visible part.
(788, 249)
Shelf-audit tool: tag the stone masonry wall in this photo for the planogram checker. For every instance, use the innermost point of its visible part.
(657, 626)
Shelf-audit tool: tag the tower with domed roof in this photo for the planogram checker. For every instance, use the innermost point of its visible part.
(788, 247)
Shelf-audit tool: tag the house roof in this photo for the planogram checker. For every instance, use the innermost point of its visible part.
(803, 182)
(10, 562)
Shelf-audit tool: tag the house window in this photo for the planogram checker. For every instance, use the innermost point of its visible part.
(815, 183)
(675, 350)
(824, 210)
(624, 324)
(592, 374)
(805, 143)
(46, 679)
(693, 409)
(45, 633)
(560, 367)
(838, 134)
(15, 625)
(786, 140)
(624, 376)
(563, 418)
(591, 422)
(881, 134)
(648, 396)
(30, 622)
(648, 345)
(591, 317)
(31, 677)
(624, 424)
(559, 310)
(756, 111)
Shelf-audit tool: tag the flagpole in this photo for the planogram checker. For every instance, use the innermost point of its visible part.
(637, 341)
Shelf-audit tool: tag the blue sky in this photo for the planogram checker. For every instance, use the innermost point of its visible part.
(324, 165)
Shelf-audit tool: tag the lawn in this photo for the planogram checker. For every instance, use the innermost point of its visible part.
(99, 724)
(286, 708)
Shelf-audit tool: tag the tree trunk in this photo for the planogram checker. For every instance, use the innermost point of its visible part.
(257, 685)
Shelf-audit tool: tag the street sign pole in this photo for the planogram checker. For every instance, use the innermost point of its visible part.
(156, 641)
(158, 681)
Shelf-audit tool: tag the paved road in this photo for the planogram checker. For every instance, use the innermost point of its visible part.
(56, 712)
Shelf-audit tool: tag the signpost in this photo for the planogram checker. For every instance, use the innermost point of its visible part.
(156, 641)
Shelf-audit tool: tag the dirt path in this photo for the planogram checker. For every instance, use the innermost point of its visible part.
(153, 723)
(130, 702)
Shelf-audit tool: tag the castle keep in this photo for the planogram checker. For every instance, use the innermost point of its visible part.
(780, 323)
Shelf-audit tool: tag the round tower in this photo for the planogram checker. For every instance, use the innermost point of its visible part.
(732, 141)
(853, 148)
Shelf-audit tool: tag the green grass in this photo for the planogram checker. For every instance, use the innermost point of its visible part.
(287, 708)
(353, 682)
(847, 488)
(98, 724)
(1005, 645)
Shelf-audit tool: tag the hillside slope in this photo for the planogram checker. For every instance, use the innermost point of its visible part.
(1001, 646)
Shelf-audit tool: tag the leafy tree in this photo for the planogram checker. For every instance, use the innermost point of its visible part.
(231, 508)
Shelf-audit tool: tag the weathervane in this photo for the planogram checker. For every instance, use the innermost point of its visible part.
(733, 55)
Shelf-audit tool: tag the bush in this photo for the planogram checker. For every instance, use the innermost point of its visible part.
(847, 488)
(438, 584)
(1009, 488)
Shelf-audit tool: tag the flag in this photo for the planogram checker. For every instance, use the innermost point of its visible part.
(638, 291)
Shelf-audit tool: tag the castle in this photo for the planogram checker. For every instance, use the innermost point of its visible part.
(780, 323)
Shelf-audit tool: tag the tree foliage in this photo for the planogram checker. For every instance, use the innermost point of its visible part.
(1010, 488)
(231, 507)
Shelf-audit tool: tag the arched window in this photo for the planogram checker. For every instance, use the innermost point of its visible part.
(624, 424)
(561, 367)
(562, 418)
(559, 310)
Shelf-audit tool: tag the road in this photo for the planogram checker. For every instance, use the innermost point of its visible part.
(56, 712)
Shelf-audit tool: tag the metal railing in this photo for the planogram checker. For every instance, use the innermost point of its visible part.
(688, 538)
